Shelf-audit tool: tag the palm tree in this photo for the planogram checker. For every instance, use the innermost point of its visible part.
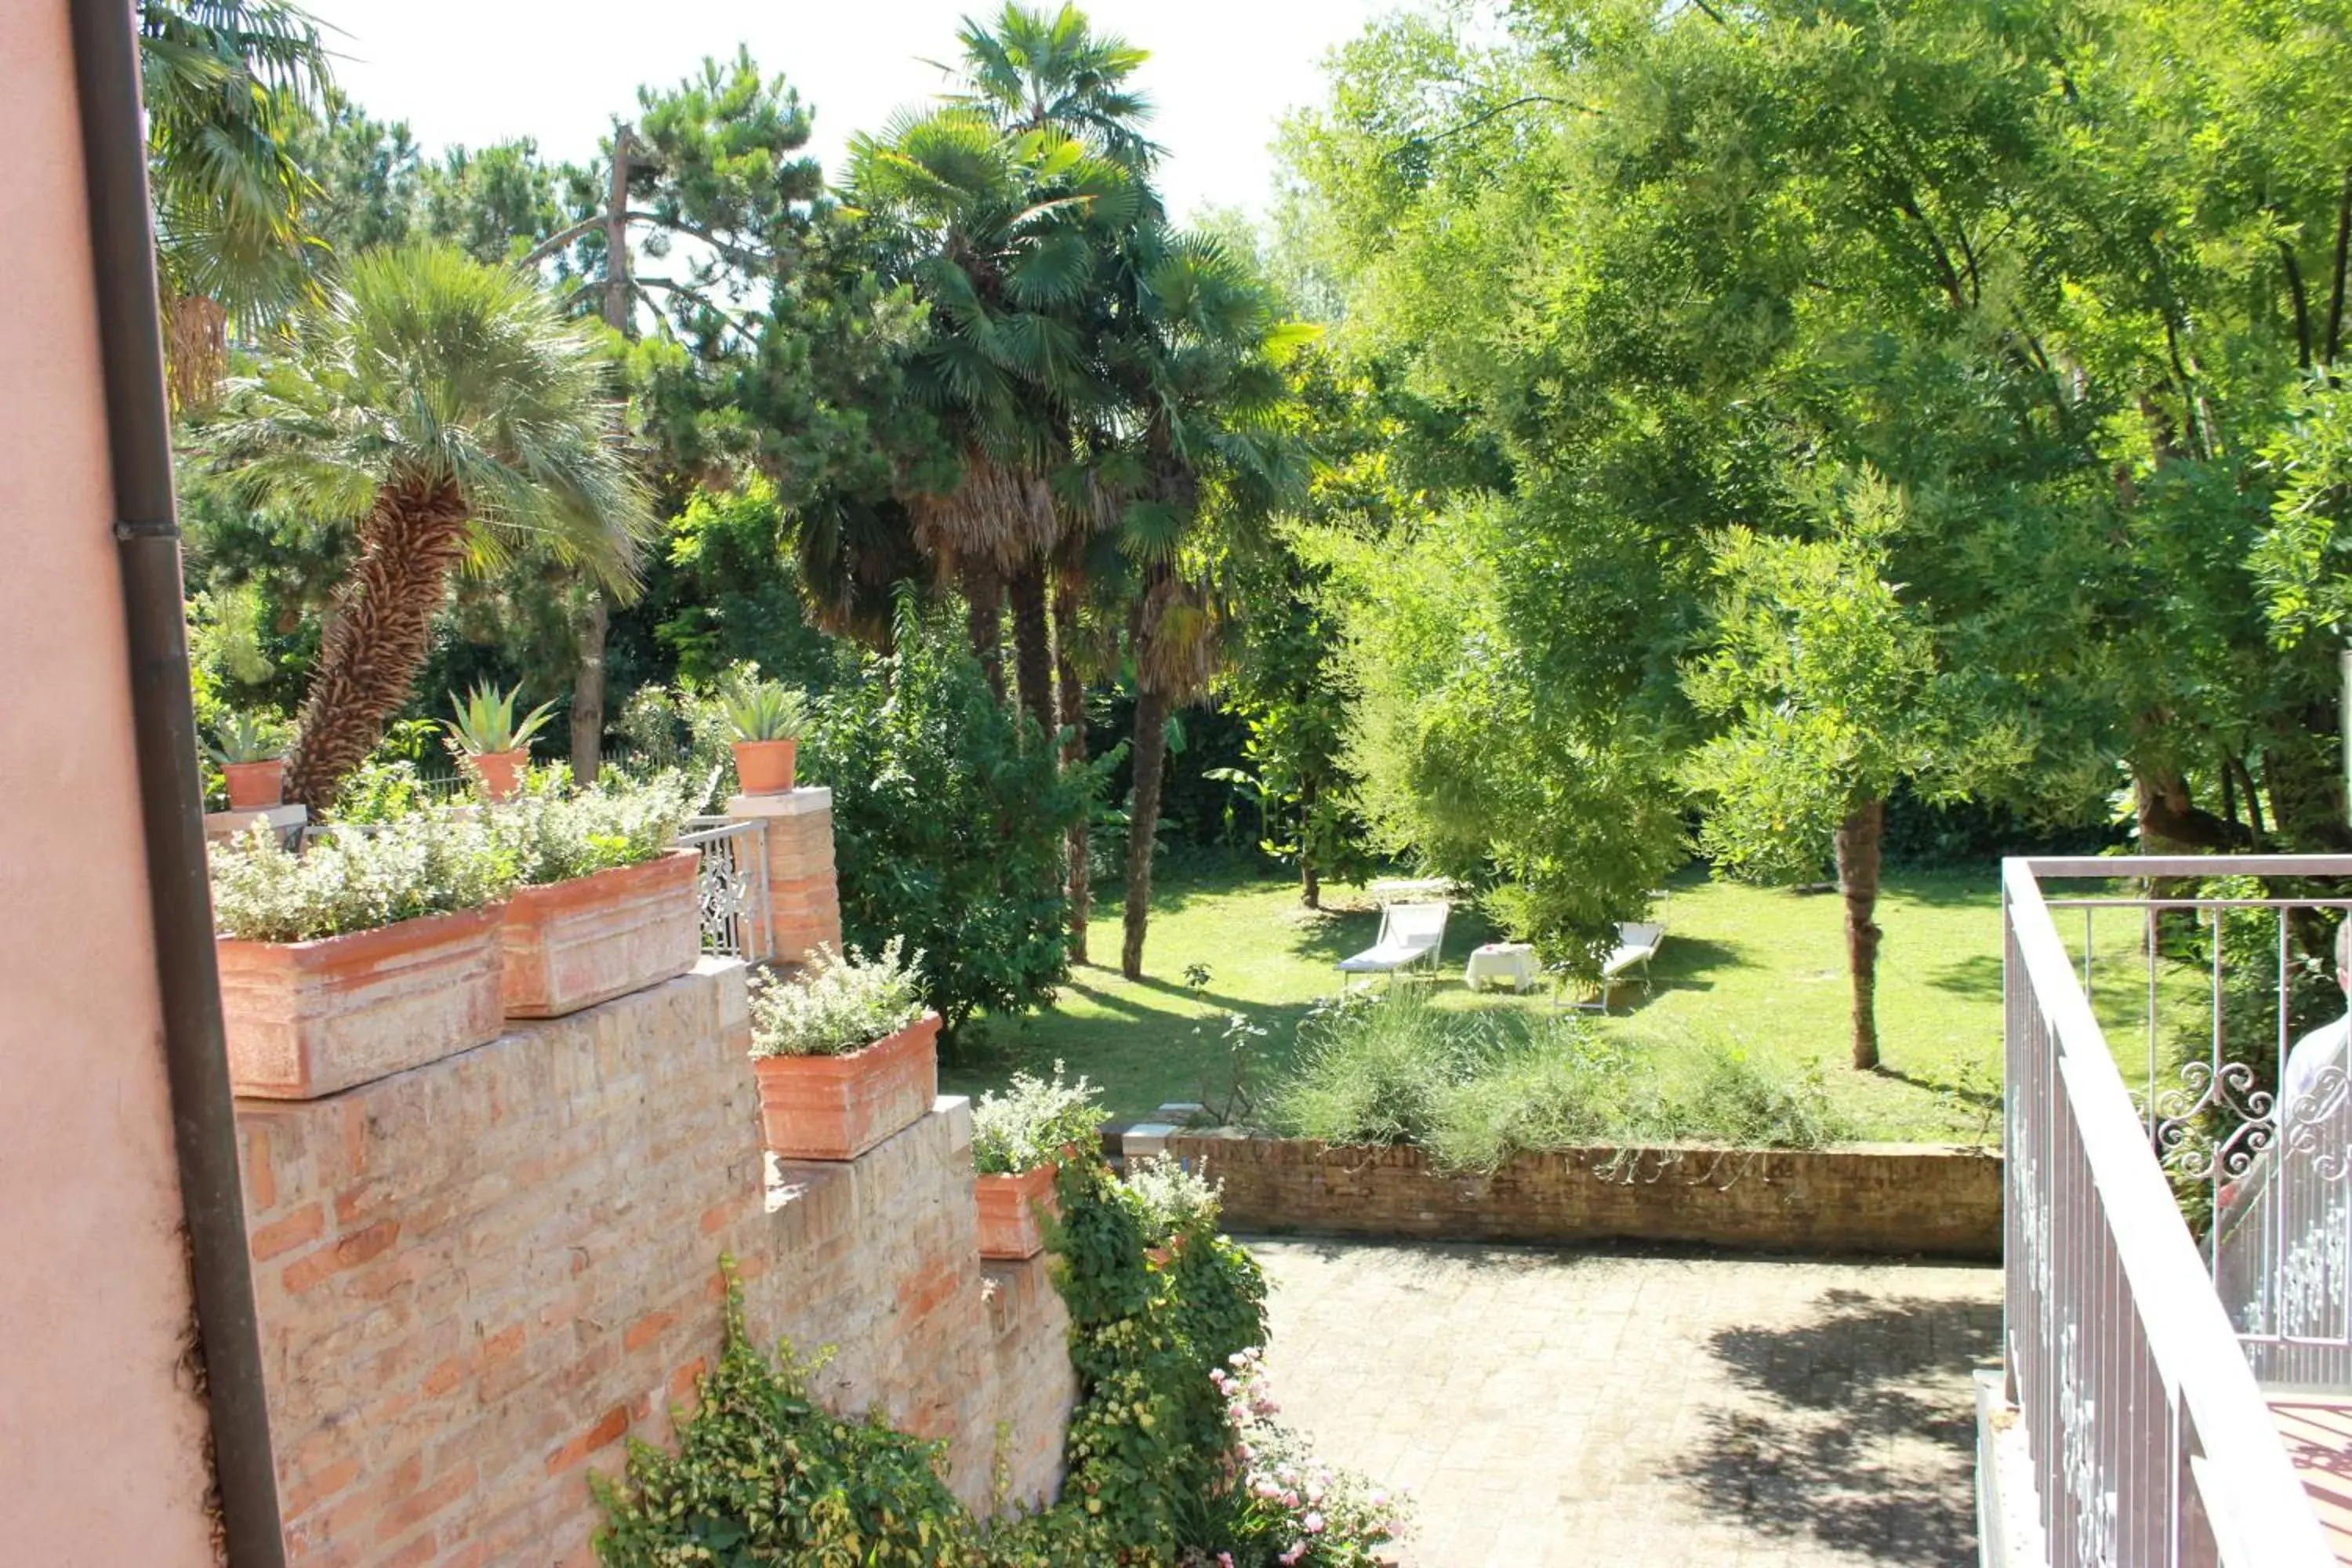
(447, 410)
(1200, 358)
(1002, 234)
(1031, 75)
(225, 85)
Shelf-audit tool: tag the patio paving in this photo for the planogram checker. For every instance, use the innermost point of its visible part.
(1605, 1409)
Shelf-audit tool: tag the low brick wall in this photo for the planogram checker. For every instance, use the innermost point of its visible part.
(477, 1277)
(1894, 1199)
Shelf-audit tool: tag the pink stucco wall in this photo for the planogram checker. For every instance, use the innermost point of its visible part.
(100, 1435)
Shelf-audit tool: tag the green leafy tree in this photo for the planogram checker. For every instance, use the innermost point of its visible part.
(442, 409)
(1826, 682)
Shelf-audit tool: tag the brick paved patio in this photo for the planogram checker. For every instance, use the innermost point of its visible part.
(1599, 1409)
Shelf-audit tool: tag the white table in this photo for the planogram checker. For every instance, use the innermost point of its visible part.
(1511, 961)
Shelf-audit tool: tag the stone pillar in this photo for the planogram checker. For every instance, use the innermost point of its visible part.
(803, 903)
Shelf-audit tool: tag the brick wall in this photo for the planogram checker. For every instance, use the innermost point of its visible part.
(1885, 1199)
(477, 1277)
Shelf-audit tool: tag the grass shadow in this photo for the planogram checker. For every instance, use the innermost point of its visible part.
(1978, 978)
(1861, 1431)
(1987, 1099)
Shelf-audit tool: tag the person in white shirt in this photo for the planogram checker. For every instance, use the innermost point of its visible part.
(2310, 1089)
(2304, 1095)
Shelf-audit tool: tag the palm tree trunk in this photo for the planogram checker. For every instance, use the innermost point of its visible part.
(378, 637)
(1859, 839)
(1071, 696)
(983, 596)
(1033, 645)
(1143, 824)
(588, 693)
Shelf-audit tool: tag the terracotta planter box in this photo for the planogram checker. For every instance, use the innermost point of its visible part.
(1012, 1210)
(307, 1018)
(765, 767)
(254, 786)
(836, 1108)
(572, 944)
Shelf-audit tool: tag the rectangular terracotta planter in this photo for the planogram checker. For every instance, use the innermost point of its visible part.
(307, 1018)
(575, 943)
(836, 1108)
(1013, 1209)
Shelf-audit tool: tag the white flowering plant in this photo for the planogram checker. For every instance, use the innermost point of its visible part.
(431, 864)
(1283, 1508)
(1028, 1123)
(555, 834)
(843, 1004)
(1170, 1199)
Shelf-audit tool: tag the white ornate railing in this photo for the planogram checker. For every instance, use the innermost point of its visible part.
(733, 882)
(2151, 1444)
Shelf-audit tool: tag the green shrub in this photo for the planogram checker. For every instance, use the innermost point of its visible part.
(948, 826)
(764, 1474)
(431, 864)
(1024, 1126)
(554, 834)
(841, 1005)
(1474, 1088)
(1722, 1093)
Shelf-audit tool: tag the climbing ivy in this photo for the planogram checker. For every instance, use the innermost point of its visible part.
(1159, 1303)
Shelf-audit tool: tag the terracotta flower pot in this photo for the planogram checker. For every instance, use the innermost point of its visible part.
(765, 767)
(256, 787)
(836, 1108)
(575, 943)
(501, 772)
(309, 1018)
(1012, 1210)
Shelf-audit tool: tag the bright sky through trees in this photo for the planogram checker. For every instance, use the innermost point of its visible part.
(477, 71)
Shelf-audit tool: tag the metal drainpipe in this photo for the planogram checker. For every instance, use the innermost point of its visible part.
(139, 437)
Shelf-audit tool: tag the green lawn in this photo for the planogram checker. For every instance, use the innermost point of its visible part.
(1762, 969)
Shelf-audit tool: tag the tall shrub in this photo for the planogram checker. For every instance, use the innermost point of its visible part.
(947, 830)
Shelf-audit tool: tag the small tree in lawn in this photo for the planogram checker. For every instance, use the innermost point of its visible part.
(1826, 678)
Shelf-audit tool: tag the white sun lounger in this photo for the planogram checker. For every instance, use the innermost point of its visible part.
(1637, 943)
(1409, 935)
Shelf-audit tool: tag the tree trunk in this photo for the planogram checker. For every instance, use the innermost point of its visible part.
(1311, 878)
(983, 594)
(1859, 837)
(1143, 824)
(2170, 822)
(588, 693)
(616, 236)
(1071, 695)
(1032, 645)
(378, 637)
(588, 684)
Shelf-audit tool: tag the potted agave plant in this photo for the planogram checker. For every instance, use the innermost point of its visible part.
(606, 902)
(363, 955)
(765, 718)
(485, 735)
(251, 751)
(1019, 1138)
(846, 1054)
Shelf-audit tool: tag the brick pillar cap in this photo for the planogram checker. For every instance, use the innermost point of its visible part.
(807, 801)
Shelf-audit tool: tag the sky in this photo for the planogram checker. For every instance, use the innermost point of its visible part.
(1221, 75)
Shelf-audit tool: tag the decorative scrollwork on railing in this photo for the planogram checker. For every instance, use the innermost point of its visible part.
(731, 883)
(2313, 1127)
(2184, 1146)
